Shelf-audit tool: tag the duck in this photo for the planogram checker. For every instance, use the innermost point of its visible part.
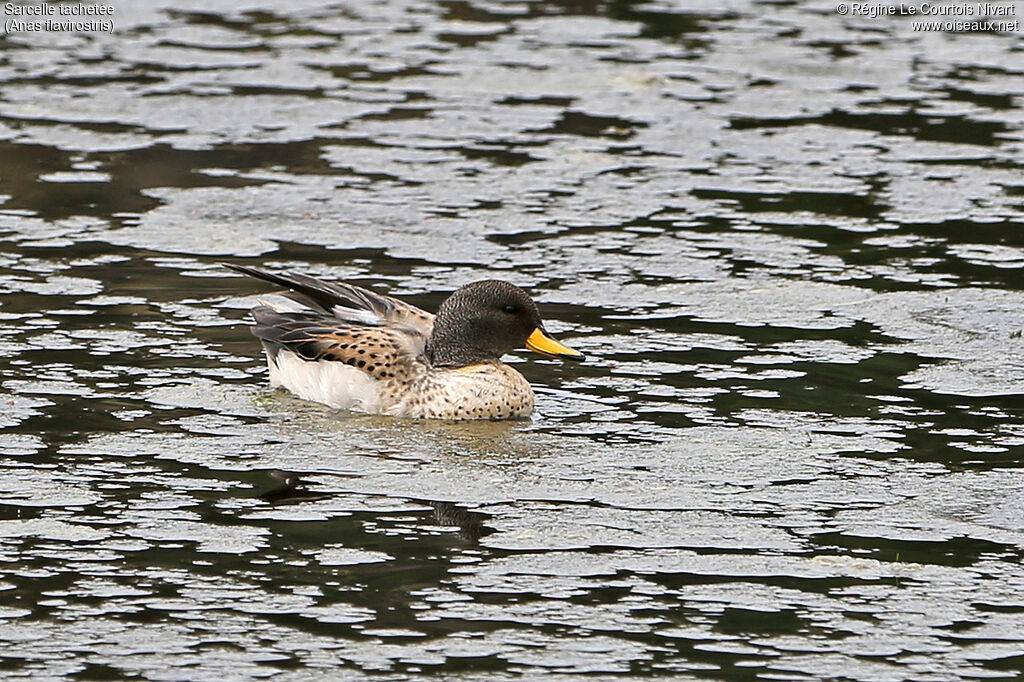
(350, 348)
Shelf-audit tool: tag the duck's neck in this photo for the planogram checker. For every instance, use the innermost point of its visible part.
(451, 350)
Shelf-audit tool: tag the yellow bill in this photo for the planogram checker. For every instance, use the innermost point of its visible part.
(540, 342)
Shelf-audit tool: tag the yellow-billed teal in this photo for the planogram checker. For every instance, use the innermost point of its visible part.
(351, 348)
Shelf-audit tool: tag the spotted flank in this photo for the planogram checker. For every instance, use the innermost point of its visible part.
(351, 348)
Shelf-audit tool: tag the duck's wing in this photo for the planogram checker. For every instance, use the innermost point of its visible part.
(346, 303)
(381, 352)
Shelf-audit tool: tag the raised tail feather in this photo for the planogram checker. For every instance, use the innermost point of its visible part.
(345, 302)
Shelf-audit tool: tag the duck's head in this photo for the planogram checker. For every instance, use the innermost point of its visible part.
(483, 321)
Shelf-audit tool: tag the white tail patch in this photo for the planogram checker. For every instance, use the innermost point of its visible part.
(359, 316)
(281, 304)
(325, 381)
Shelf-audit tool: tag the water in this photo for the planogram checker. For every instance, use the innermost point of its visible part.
(788, 241)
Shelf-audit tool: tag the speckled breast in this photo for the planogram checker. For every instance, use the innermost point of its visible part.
(482, 391)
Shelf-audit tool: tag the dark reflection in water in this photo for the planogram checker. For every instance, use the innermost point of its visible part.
(293, 490)
(290, 489)
(958, 129)
(470, 524)
(788, 240)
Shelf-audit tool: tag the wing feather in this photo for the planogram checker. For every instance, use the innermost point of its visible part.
(381, 352)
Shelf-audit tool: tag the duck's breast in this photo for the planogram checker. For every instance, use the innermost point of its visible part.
(489, 390)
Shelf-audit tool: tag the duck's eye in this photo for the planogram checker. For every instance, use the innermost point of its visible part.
(511, 309)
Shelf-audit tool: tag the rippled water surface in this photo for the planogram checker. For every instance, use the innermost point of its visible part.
(790, 242)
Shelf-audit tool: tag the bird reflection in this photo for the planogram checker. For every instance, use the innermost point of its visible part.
(291, 488)
(470, 523)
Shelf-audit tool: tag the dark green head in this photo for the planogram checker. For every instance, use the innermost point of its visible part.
(486, 319)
